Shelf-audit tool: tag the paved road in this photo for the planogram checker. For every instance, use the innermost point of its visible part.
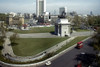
(82, 33)
(68, 59)
(49, 35)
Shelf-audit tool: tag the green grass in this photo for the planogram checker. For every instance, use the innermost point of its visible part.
(63, 48)
(33, 46)
(77, 39)
(36, 30)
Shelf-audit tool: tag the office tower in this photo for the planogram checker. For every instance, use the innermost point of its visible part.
(40, 7)
(91, 13)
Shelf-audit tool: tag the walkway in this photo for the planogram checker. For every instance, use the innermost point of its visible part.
(49, 35)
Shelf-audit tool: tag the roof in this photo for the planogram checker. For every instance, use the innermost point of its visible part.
(80, 42)
(63, 21)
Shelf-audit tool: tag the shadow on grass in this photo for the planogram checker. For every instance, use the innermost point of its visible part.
(1, 47)
(52, 32)
(14, 44)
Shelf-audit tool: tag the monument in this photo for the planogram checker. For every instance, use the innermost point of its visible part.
(62, 27)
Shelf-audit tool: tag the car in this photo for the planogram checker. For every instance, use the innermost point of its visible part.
(48, 63)
(86, 59)
(79, 64)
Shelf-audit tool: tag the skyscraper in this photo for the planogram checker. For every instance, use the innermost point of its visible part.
(40, 7)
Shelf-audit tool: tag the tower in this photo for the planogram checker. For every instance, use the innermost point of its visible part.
(40, 7)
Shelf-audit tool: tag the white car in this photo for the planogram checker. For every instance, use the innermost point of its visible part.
(48, 63)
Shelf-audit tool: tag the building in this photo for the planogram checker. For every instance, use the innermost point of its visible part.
(40, 7)
(13, 14)
(62, 10)
(54, 18)
(62, 27)
(91, 13)
(28, 16)
(46, 16)
(15, 20)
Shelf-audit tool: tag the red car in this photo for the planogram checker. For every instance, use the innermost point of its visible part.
(80, 44)
(79, 64)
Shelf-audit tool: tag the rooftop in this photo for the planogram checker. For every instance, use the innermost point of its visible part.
(62, 21)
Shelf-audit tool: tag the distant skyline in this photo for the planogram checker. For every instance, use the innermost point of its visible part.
(29, 6)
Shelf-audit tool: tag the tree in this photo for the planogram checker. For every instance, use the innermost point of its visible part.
(13, 39)
(91, 20)
(2, 28)
(1, 42)
(77, 20)
(96, 44)
(19, 24)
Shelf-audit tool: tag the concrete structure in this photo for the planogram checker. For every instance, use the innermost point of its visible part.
(40, 7)
(13, 14)
(62, 9)
(62, 27)
(15, 20)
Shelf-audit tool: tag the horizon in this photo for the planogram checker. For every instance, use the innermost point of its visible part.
(79, 6)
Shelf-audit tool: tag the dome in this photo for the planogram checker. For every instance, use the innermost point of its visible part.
(63, 21)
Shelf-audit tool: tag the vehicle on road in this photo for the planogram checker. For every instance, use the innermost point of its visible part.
(86, 59)
(79, 45)
(79, 64)
(48, 63)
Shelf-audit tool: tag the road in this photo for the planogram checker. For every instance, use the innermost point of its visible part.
(49, 35)
(68, 59)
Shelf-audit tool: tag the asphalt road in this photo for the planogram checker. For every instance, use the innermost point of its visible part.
(49, 35)
(69, 58)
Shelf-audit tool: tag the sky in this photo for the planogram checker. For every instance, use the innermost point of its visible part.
(29, 6)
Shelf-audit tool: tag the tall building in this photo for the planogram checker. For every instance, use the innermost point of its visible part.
(62, 10)
(91, 13)
(40, 7)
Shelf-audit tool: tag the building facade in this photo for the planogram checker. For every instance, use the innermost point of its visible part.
(47, 16)
(62, 27)
(15, 20)
(40, 7)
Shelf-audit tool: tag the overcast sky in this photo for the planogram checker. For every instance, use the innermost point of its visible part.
(29, 6)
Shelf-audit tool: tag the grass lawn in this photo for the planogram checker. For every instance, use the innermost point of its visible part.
(33, 46)
(77, 39)
(36, 30)
(25, 45)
